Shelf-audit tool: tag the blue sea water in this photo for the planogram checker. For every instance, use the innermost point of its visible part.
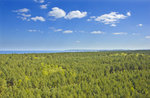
(55, 51)
(25, 52)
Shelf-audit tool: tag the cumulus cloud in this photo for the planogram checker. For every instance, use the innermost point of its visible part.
(44, 6)
(60, 13)
(111, 18)
(140, 25)
(75, 14)
(97, 32)
(24, 10)
(148, 37)
(40, 18)
(120, 33)
(57, 12)
(67, 31)
(39, 1)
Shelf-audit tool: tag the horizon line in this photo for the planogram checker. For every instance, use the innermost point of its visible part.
(67, 49)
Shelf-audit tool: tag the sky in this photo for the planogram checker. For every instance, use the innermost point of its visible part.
(74, 24)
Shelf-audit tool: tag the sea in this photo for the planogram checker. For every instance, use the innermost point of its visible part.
(58, 51)
(26, 52)
(53, 51)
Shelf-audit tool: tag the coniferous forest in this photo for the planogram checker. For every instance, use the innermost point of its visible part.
(110, 74)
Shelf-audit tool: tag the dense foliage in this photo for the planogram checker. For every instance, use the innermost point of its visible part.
(118, 74)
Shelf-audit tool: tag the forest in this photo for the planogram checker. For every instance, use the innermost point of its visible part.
(107, 74)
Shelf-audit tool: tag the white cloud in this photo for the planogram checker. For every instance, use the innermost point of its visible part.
(128, 14)
(75, 14)
(140, 25)
(148, 37)
(113, 25)
(44, 6)
(120, 33)
(40, 18)
(97, 32)
(60, 13)
(57, 30)
(57, 12)
(111, 18)
(24, 10)
(39, 1)
(32, 30)
(67, 31)
(91, 18)
(25, 15)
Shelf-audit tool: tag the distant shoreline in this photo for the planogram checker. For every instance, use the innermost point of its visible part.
(62, 51)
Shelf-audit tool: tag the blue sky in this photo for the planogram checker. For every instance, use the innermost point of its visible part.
(74, 24)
